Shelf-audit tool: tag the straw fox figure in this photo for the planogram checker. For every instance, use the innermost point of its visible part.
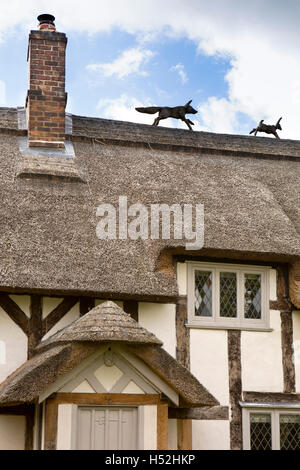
(178, 112)
(268, 129)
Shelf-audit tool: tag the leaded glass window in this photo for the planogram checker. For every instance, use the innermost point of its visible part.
(289, 432)
(271, 428)
(253, 296)
(228, 295)
(260, 431)
(203, 293)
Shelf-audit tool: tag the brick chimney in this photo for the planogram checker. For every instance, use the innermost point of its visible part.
(46, 98)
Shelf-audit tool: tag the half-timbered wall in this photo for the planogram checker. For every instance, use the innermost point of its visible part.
(226, 363)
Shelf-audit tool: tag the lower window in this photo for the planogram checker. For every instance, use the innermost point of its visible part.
(266, 429)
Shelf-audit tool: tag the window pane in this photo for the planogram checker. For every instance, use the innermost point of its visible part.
(290, 432)
(203, 293)
(260, 431)
(253, 296)
(228, 295)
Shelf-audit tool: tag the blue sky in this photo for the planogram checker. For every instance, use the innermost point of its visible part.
(238, 64)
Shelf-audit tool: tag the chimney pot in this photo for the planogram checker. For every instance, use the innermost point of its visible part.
(46, 22)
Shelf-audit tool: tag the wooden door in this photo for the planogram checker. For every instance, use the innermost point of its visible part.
(107, 428)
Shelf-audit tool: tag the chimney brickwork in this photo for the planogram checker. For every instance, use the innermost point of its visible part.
(46, 99)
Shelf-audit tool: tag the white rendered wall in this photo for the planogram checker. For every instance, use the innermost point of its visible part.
(150, 427)
(23, 301)
(71, 316)
(262, 354)
(13, 346)
(172, 434)
(209, 361)
(262, 358)
(296, 330)
(160, 319)
(65, 426)
(12, 432)
(49, 304)
(182, 278)
(211, 435)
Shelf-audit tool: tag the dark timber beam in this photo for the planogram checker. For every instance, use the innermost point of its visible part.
(235, 388)
(35, 332)
(58, 313)
(288, 366)
(285, 306)
(85, 305)
(182, 333)
(29, 429)
(271, 397)
(184, 426)
(132, 307)
(214, 413)
(14, 312)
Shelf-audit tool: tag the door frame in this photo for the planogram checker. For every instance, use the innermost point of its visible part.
(97, 399)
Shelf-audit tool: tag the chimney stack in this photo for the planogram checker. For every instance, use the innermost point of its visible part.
(46, 98)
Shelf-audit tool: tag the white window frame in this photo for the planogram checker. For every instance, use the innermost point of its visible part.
(275, 422)
(216, 321)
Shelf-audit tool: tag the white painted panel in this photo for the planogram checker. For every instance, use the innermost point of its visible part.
(296, 330)
(160, 319)
(172, 434)
(84, 387)
(133, 388)
(273, 284)
(150, 427)
(262, 358)
(182, 278)
(64, 427)
(209, 361)
(108, 376)
(211, 435)
(49, 304)
(23, 301)
(14, 344)
(12, 432)
(71, 316)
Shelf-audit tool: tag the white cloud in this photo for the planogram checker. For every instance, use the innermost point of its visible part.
(123, 109)
(129, 62)
(218, 115)
(261, 39)
(179, 68)
(2, 93)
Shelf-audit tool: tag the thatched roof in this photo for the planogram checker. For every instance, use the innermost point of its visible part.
(107, 322)
(249, 187)
(64, 351)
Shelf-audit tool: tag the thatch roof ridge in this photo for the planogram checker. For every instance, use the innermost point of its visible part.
(106, 322)
(99, 128)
